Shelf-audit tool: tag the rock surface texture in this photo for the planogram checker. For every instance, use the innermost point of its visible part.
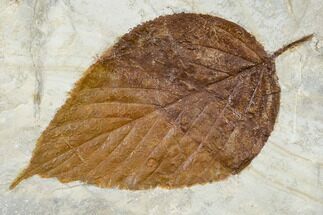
(45, 46)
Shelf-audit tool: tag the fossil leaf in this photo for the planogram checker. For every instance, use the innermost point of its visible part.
(183, 99)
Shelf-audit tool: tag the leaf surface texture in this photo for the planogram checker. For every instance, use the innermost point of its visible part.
(180, 100)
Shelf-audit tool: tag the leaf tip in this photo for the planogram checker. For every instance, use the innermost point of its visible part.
(15, 183)
(22, 176)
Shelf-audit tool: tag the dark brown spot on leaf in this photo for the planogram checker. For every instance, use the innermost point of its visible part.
(181, 100)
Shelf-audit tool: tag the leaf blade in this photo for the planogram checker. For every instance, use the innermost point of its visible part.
(162, 103)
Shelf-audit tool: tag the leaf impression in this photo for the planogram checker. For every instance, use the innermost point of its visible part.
(180, 100)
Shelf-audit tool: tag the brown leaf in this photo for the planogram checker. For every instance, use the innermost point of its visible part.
(180, 100)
